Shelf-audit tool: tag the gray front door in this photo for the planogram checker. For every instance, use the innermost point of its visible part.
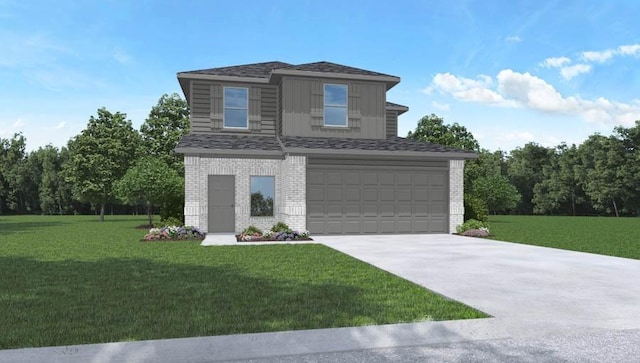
(222, 198)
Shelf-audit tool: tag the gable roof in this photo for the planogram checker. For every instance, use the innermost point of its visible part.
(278, 146)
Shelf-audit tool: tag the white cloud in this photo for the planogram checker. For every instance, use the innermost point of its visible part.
(440, 106)
(467, 89)
(555, 62)
(516, 89)
(631, 49)
(18, 124)
(572, 71)
(513, 38)
(599, 57)
(61, 125)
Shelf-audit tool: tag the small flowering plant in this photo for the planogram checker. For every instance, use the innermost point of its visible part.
(174, 233)
(279, 232)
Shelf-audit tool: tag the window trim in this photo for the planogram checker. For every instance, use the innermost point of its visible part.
(224, 108)
(273, 211)
(325, 105)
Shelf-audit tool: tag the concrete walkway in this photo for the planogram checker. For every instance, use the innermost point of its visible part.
(548, 305)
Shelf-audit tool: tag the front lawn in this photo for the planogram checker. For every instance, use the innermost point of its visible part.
(602, 235)
(73, 280)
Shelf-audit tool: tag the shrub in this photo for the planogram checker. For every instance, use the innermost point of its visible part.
(252, 230)
(280, 227)
(475, 208)
(171, 221)
(472, 224)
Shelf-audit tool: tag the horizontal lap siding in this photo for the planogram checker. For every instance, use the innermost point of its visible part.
(392, 123)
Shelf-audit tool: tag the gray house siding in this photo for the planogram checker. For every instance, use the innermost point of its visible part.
(207, 107)
(304, 116)
(392, 123)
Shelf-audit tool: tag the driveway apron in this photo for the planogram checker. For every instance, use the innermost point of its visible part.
(513, 282)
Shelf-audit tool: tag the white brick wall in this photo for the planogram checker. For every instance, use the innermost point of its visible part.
(290, 176)
(456, 194)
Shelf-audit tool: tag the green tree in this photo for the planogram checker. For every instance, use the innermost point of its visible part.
(54, 193)
(167, 122)
(629, 171)
(12, 173)
(600, 171)
(525, 169)
(99, 156)
(151, 183)
(497, 192)
(432, 129)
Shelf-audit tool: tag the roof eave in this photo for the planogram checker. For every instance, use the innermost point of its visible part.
(227, 152)
(389, 80)
(214, 77)
(417, 154)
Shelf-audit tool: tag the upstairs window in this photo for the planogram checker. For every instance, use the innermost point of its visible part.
(236, 110)
(335, 105)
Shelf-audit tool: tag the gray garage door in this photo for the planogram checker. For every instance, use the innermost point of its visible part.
(376, 199)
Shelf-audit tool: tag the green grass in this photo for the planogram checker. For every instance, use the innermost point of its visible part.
(602, 235)
(73, 280)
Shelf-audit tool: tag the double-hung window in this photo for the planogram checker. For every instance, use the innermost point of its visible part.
(236, 107)
(335, 105)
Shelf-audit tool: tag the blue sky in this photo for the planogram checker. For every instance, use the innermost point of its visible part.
(510, 71)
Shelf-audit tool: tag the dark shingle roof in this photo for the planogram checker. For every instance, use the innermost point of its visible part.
(270, 144)
(328, 67)
(390, 144)
(263, 70)
(228, 142)
(396, 105)
(255, 70)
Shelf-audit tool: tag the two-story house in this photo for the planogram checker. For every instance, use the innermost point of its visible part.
(315, 146)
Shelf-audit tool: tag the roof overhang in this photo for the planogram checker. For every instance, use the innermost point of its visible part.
(185, 77)
(399, 108)
(271, 154)
(390, 81)
(380, 153)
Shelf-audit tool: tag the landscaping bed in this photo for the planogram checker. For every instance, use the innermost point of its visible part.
(174, 233)
(279, 232)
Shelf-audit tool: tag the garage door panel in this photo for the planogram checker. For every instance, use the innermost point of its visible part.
(335, 210)
(387, 179)
(315, 178)
(387, 226)
(387, 210)
(404, 226)
(403, 195)
(370, 210)
(369, 178)
(369, 227)
(403, 179)
(352, 179)
(370, 195)
(352, 194)
(334, 194)
(404, 210)
(353, 210)
(315, 195)
(387, 195)
(388, 199)
(334, 178)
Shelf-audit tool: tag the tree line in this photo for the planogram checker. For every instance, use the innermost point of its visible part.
(601, 176)
(109, 164)
(112, 165)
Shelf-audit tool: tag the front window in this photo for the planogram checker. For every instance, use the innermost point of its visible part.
(262, 195)
(335, 105)
(236, 112)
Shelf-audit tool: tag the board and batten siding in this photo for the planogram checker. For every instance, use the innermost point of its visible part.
(392, 123)
(207, 107)
(303, 109)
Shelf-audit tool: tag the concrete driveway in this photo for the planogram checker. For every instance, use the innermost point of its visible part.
(547, 305)
(513, 282)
